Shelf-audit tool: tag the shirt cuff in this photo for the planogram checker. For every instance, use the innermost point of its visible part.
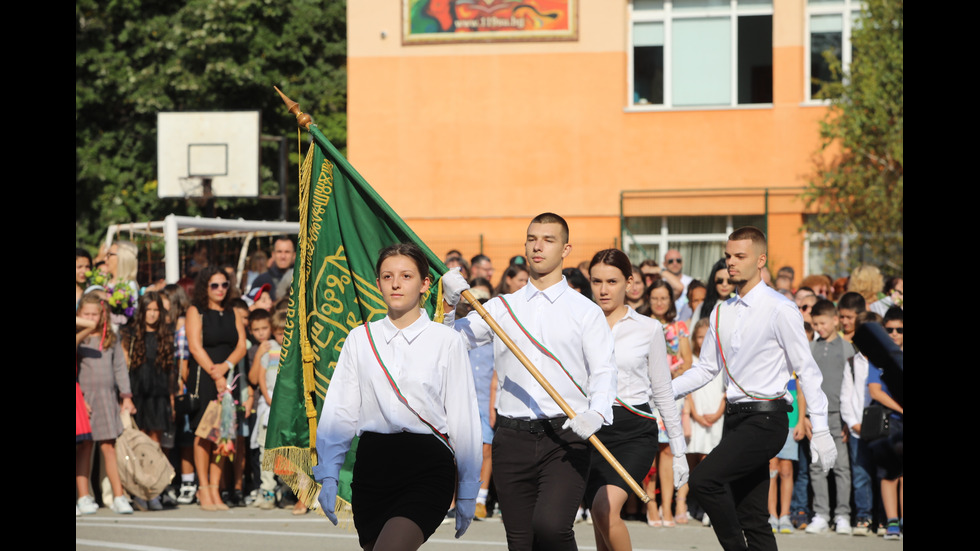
(819, 421)
(468, 490)
(678, 446)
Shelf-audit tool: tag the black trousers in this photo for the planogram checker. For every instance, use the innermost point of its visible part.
(540, 479)
(732, 483)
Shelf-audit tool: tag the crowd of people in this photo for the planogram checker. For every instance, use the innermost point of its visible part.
(214, 330)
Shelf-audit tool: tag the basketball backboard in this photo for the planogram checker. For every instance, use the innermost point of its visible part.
(200, 149)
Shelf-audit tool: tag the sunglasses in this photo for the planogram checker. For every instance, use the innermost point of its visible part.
(721, 281)
(674, 261)
(216, 286)
(805, 308)
(899, 330)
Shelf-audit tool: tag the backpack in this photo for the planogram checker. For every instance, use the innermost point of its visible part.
(143, 467)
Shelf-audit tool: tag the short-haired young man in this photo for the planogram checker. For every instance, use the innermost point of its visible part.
(756, 337)
(541, 458)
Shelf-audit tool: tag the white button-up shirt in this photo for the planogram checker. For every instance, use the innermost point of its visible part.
(428, 362)
(572, 328)
(644, 376)
(763, 343)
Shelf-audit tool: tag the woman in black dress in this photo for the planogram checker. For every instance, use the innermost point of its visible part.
(217, 342)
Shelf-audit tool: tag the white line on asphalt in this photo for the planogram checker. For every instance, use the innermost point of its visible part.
(115, 545)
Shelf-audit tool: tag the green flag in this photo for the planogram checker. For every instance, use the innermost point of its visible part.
(344, 224)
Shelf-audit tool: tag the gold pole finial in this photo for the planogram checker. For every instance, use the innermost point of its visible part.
(302, 118)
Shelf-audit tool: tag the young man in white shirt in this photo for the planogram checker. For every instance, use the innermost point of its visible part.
(540, 457)
(759, 342)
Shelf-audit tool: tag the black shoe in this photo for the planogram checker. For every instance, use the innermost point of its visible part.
(225, 497)
(237, 499)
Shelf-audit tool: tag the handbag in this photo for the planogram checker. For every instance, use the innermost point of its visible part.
(874, 422)
(189, 404)
(210, 426)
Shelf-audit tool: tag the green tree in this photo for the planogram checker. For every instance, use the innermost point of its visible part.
(857, 188)
(135, 58)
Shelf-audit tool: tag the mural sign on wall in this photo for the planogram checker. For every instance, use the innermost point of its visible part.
(452, 21)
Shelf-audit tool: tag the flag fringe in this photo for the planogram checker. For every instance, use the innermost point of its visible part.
(291, 464)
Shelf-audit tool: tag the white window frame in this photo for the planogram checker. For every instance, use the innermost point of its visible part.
(667, 16)
(842, 8)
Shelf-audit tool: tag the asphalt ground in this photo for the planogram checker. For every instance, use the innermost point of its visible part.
(188, 528)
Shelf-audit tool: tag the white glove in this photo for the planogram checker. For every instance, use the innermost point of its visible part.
(681, 470)
(453, 286)
(465, 511)
(823, 450)
(328, 498)
(584, 424)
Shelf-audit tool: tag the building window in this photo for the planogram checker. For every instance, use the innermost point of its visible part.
(700, 239)
(700, 53)
(829, 25)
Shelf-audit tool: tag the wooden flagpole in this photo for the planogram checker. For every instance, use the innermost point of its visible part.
(602, 449)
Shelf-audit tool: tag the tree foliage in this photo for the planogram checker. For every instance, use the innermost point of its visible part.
(857, 188)
(135, 58)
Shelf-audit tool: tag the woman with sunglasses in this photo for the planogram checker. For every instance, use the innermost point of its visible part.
(216, 342)
(719, 288)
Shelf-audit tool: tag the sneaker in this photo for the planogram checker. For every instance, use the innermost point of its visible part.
(121, 506)
(579, 515)
(168, 498)
(87, 505)
(267, 501)
(800, 520)
(893, 532)
(818, 525)
(236, 499)
(140, 504)
(842, 525)
(251, 497)
(481, 511)
(155, 504)
(785, 525)
(862, 528)
(188, 493)
(705, 521)
(774, 524)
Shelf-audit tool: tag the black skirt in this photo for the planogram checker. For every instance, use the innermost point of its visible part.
(632, 440)
(401, 475)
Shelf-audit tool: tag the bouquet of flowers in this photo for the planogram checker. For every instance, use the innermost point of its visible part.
(121, 299)
(226, 441)
(120, 296)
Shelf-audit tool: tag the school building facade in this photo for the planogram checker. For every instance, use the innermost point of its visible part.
(647, 124)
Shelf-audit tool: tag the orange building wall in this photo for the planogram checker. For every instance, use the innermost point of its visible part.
(472, 139)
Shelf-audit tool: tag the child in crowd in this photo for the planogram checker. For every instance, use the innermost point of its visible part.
(848, 307)
(781, 467)
(104, 381)
(184, 439)
(243, 398)
(832, 355)
(259, 298)
(707, 408)
(854, 398)
(259, 333)
(149, 347)
(266, 368)
(887, 450)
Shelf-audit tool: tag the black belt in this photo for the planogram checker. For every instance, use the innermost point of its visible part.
(766, 406)
(533, 426)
